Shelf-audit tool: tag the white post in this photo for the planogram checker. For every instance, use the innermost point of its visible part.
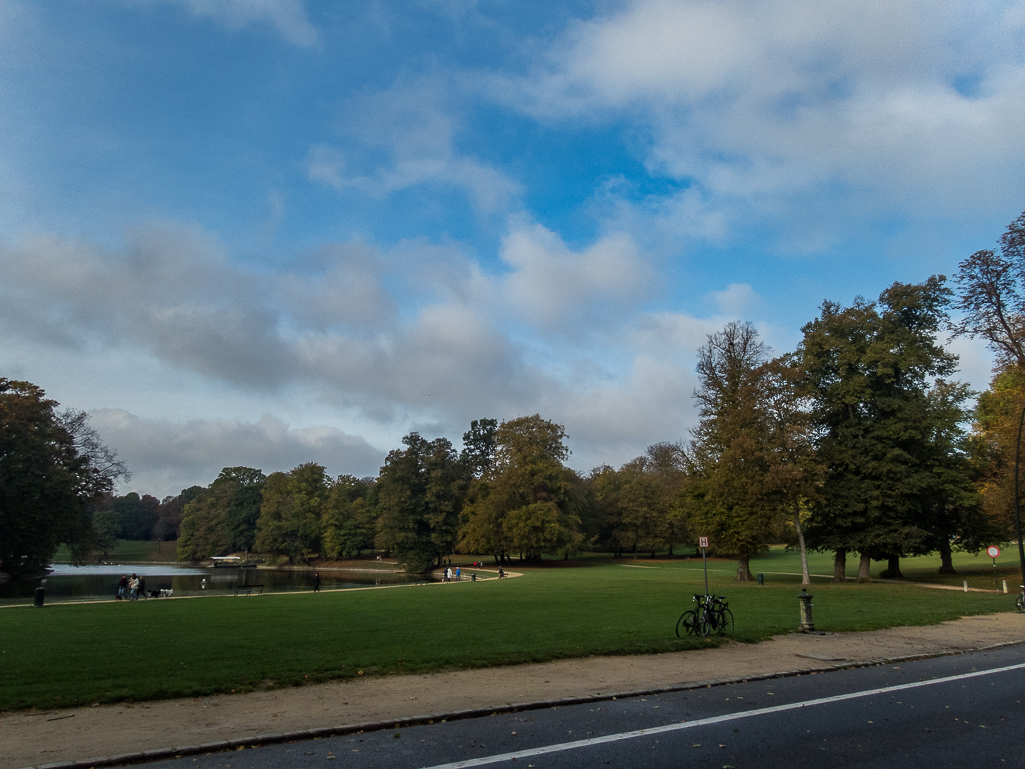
(966, 586)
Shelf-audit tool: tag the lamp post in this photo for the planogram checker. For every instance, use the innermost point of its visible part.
(1017, 505)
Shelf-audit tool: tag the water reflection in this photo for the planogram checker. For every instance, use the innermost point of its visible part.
(91, 583)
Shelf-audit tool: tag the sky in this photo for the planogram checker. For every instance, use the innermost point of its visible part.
(268, 232)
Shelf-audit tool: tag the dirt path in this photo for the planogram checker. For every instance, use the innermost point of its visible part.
(46, 737)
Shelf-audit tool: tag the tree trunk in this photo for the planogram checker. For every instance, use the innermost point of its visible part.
(893, 568)
(670, 548)
(805, 577)
(863, 567)
(743, 569)
(946, 558)
(840, 565)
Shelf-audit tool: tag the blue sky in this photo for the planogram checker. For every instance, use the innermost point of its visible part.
(264, 232)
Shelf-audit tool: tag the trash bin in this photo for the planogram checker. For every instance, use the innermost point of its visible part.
(473, 577)
(40, 595)
(761, 579)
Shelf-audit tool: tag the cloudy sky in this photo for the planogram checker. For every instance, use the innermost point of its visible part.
(264, 232)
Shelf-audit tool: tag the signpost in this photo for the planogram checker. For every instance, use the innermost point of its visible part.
(994, 552)
(703, 544)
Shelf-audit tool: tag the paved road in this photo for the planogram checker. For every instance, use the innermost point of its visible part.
(965, 710)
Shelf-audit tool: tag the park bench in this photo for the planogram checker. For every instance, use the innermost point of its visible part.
(248, 589)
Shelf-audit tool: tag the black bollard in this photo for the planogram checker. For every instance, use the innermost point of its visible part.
(40, 595)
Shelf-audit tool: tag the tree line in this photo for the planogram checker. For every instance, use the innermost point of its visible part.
(858, 442)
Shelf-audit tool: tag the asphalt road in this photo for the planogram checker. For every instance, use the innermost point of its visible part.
(958, 711)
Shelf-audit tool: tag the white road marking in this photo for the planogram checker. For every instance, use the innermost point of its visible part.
(527, 753)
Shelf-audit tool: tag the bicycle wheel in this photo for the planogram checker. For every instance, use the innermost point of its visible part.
(685, 625)
(725, 622)
(705, 622)
(1021, 603)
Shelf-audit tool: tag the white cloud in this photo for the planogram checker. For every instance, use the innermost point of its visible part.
(406, 136)
(331, 324)
(616, 421)
(549, 284)
(287, 16)
(661, 222)
(165, 456)
(736, 301)
(767, 104)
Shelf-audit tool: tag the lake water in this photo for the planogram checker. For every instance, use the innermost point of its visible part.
(91, 583)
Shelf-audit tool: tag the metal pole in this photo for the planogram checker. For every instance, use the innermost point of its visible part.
(1017, 505)
(705, 564)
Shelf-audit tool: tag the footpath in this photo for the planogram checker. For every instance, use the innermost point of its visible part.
(130, 733)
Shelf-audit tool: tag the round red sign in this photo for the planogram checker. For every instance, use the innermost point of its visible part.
(993, 551)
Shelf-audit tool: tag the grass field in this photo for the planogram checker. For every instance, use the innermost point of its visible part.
(79, 654)
(131, 551)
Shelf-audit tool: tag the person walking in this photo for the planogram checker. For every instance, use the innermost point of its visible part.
(142, 586)
(122, 588)
(133, 588)
(316, 582)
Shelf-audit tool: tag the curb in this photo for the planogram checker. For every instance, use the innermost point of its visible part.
(397, 723)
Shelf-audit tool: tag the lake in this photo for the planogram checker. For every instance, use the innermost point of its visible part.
(99, 582)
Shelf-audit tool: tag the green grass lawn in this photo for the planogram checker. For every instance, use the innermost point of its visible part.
(130, 551)
(978, 570)
(79, 654)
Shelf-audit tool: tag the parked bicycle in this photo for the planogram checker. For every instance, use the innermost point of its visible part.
(711, 613)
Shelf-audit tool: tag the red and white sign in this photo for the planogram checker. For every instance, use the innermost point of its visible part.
(993, 551)
(702, 541)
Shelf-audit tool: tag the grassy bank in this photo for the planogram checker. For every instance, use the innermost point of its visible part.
(129, 551)
(80, 654)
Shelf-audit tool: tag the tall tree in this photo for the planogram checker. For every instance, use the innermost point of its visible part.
(632, 503)
(419, 493)
(991, 296)
(530, 504)
(794, 471)
(956, 517)
(223, 518)
(478, 454)
(729, 451)
(348, 525)
(291, 511)
(871, 367)
(53, 472)
(639, 504)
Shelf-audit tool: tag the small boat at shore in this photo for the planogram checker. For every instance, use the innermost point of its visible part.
(230, 562)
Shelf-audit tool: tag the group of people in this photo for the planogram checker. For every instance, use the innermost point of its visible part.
(448, 574)
(129, 588)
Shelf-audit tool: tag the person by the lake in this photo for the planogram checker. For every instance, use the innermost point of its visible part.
(457, 573)
(316, 582)
(122, 587)
(133, 588)
(142, 586)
